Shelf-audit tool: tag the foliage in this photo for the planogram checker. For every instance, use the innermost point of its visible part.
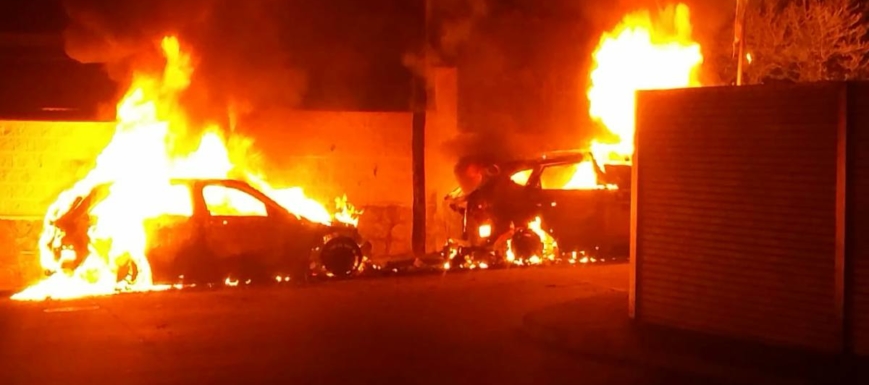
(805, 41)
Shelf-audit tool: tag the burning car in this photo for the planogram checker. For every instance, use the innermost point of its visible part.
(530, 210)
(216, 230)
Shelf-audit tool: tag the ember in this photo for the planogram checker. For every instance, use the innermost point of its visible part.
(139, 163)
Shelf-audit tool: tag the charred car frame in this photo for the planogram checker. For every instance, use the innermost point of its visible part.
(512, 209)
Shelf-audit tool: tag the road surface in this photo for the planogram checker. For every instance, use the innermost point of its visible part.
(460, 328)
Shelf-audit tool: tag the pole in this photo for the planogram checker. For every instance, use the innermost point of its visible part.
(420, 103)
(739, 39)
(740, 63)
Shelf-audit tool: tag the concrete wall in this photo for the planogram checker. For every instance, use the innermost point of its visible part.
(38, 160)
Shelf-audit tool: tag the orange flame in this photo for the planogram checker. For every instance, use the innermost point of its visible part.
(140, 161)
(641, 53)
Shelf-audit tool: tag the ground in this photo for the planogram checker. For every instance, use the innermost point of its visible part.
(456, 328)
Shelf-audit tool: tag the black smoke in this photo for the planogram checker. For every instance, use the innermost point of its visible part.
(237, 47)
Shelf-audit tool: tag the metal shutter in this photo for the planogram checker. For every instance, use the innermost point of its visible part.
(735, 221)
(858, 217)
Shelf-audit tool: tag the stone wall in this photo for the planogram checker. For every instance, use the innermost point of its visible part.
(38, 160)
(441, 131)
(19, 261)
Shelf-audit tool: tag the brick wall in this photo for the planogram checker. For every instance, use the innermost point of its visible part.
(365, 155)
(19, 261)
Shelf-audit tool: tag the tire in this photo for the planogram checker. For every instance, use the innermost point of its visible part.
(526, 244)
(341, 257)
(128, 272)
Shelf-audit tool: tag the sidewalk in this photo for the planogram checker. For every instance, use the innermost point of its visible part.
(599, 327)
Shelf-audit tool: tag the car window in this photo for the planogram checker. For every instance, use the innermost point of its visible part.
(570, 176)
(175, 200)
(521, 177)
(230, 201)
(456, 193)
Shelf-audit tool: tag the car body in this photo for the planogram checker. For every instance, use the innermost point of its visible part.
(500, 199)
(209, 241)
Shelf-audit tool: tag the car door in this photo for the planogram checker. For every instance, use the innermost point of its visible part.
(571, 205)
(618, 205)
(242, 234)
(175, 236)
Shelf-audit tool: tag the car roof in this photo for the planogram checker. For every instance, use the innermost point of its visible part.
(205, 180)
(547, 158)
(187, 182)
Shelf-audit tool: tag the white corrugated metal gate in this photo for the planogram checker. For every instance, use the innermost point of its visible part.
(738, 220)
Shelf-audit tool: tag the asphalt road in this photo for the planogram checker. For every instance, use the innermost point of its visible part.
(461, 328)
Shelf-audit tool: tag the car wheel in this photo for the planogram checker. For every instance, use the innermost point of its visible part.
(526, 244)
(128, 272)
(341, 256)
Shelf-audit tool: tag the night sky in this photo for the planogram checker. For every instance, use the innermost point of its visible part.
(346, 57)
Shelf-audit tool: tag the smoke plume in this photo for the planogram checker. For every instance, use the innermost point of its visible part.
(236, 46)
(524, 68)
(450, 25)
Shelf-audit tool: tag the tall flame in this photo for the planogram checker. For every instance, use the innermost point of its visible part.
(641, 53)
(139, 162)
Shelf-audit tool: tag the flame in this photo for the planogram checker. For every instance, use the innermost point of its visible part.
(345, 212)
(641, 53)
(485, 230)
(550, 246)
(139, 162)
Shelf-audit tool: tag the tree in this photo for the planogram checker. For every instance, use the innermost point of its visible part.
(804, 41)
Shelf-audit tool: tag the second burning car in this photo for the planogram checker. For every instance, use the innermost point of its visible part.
(530, 210)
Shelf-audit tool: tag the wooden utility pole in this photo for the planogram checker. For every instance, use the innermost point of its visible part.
(420, 104)
(739, 39)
